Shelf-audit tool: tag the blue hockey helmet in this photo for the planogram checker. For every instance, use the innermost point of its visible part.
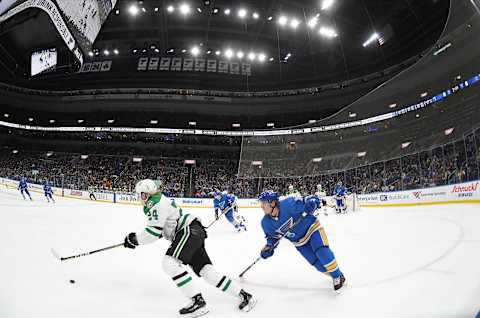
(269, 196)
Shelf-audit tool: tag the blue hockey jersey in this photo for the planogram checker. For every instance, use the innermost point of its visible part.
(226, 201)
(22, 185)
(47, 189)
(340, 191)
(290, 211)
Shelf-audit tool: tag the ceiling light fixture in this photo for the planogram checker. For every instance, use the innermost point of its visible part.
(282, 20)
(227, 11)
(184, 9)
(327, 32)
(133, 10)
(294, 23)
(255, 15)
(228, 53)
(195, 50)
(170, 9)
(371, 39)
(327, 4)
(261, 57)
(242, 13)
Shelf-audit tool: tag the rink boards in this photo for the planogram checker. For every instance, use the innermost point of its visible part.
(468, 192)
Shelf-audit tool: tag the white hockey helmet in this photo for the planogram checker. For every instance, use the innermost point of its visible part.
(319, 187)
(146, 188)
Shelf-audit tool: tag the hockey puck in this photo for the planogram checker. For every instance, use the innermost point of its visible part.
(72, 281)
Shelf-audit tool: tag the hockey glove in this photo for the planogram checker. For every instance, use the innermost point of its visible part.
(267, 251)
(130, 241)
(312, 203)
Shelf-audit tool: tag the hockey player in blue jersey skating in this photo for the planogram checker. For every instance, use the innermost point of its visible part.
(47, 189)
(225, 203)
(292, 217)
(340, 193)
(23, 187)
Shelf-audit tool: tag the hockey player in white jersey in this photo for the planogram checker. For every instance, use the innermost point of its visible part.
(292, 192)
(187, 236)
(321, 194)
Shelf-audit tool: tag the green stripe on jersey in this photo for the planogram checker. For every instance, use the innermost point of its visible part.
(183, 221)
(184, 240)
(227, 285)
(149, 231)
(186, 281)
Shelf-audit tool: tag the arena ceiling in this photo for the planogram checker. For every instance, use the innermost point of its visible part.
(289, 44)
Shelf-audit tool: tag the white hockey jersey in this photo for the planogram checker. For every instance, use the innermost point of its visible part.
(164, 219)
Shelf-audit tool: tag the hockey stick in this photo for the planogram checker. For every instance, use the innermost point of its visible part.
(216, 219)
(275, 246)
(57, 256)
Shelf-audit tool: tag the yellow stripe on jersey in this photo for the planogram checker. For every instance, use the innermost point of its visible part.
(315, 226)
(324, 237)
(332, 266)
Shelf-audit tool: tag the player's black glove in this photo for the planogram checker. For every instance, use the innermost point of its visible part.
(267, 251)
(131, 241)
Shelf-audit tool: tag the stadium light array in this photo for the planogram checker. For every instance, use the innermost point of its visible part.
(282, 20)
(240, 54)
(270, 18)
(80, 121)
(195, 51)
(327, 32)
(6, 115)
(153, 121)
(215, 10)
(228, 53)
(133, 10)
(242, 13)
(184, 9)
(327, 4)
(449, 131)
(294, 23)
(30, 119)
(270, 125)
(51, 121)
(227, 12)
(218, 52)
(84, 157)
(106, 52)
(170, 9)
(236, 125)
(312, 23)
(261, 57)
(251, 56)
(111, 121)
(116, 52)
(255, 15)
(192, 123)
(371, 39)
(15, 151)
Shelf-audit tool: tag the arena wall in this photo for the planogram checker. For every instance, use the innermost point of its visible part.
(468, 193)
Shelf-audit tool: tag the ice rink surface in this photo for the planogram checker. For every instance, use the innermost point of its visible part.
(399, 262)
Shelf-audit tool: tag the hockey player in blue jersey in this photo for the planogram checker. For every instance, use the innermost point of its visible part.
(225, 203)
(47, 189)
(292, 218)
(340, 193)
(23, 187)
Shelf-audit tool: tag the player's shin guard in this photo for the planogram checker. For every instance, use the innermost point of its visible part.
(180, 276)
(327, 260)
(225, 284)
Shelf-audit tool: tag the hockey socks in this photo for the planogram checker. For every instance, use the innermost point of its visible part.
(225, 284)
(181, 278)
(327, 262)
